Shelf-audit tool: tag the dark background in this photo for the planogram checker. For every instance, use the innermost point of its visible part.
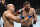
(19, 3)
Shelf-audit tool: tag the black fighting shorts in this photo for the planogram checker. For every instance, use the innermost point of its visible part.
(27, 26)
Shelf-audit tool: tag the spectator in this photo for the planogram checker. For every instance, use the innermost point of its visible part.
(2, 8)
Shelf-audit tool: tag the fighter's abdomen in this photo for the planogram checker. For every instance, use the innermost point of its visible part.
(27, 23)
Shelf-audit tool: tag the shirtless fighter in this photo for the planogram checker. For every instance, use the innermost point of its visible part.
(9, 17)
(26, 10)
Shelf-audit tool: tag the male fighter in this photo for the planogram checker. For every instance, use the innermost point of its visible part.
(9, 18)
(26, 10)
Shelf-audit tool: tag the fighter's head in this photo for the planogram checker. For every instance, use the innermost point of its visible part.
(26, 5)
(10, 7)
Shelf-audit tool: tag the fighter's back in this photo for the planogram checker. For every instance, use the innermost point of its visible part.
(7, 22)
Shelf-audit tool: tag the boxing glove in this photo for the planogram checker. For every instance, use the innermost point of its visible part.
(34, 22)
(19, 11)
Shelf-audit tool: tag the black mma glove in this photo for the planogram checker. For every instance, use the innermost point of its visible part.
(20, 11)
(34, 22)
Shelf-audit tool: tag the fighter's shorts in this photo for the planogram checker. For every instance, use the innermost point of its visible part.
(27, 26)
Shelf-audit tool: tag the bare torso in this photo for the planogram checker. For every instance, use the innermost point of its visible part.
(29, 21)
(7, 22)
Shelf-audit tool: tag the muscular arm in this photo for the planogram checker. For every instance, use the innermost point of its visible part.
(35, 17)
(24, 20)
(10, 16)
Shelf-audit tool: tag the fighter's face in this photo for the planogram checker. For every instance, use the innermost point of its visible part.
(27, 7)
(12, 8)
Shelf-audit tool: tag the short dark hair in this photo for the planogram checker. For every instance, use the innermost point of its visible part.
(26, 2)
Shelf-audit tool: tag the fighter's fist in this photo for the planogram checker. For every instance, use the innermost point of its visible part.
(31, 13)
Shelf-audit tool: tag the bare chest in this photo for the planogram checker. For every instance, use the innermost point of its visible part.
(27, 13)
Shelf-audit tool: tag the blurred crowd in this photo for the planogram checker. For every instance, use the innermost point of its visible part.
(37, 9)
